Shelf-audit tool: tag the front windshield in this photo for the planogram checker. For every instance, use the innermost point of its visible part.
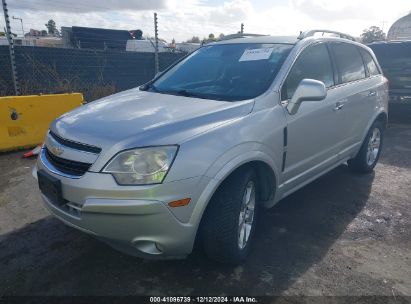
(229, 72)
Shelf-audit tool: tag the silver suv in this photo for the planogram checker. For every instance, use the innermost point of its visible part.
(198, 152)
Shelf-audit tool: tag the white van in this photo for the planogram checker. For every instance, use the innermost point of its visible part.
(145, 46)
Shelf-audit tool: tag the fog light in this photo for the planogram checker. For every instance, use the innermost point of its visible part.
(148, 247)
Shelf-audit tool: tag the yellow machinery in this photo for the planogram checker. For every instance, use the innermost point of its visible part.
(24, 120)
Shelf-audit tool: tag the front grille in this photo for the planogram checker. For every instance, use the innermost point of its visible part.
(75, 145)
(67, 166)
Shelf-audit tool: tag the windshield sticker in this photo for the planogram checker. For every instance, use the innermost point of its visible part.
(256, 54)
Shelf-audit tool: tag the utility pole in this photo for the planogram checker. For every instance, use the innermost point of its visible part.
(11, 48)
(242, 28)
(383, 24)
(21, 20)
(156, 63)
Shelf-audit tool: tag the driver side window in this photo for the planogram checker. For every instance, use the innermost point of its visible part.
(313, 63)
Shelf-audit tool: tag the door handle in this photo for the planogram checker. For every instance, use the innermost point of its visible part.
(372, 93)
(338, 106)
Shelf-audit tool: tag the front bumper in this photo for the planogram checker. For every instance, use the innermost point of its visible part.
(134, 219)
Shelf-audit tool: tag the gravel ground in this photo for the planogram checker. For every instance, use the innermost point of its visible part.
(343, 234)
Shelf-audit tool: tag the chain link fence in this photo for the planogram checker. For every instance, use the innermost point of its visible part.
(95, 73)
(6, 80)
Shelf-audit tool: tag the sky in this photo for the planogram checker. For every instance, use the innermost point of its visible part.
(182, 19)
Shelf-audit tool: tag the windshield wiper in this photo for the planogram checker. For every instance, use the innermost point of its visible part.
(182, 92)
(149, 86)
(185, 93)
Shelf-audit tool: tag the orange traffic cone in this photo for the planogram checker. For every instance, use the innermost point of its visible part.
(34, 152)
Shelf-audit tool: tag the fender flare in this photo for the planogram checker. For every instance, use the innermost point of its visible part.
(222, 173)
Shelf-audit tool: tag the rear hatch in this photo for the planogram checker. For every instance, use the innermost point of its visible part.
(395, 60)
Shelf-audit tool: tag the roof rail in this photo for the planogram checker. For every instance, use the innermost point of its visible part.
(239, 35)
(313, 32)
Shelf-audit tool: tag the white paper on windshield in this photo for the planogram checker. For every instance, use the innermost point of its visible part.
(256, 54)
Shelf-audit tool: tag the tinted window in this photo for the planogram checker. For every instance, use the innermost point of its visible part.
(395, 60)
(227, 72)
(395, 54)
(349, 62)
(369, 63)
(313, 63)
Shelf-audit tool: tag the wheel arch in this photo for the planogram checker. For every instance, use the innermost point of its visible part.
(266, 178)
(267, 186)
(265, 168)
(383, 117)
(380, 116)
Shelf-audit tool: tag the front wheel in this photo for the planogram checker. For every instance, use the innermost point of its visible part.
(370, 151)
(230, 218)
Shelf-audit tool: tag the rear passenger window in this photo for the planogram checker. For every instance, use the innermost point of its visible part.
(313, 63)
(369, 63)
(349, 62)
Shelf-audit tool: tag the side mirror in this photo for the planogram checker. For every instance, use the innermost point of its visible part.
(307, 90)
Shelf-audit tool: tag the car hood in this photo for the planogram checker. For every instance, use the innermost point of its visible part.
(137, 118)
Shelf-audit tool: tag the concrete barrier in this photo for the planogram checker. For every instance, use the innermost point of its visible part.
(24, 120)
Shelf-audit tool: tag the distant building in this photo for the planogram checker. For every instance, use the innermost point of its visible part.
(4, 41)
(34, 33)
(66, 37)
(401, 29)
(39, 42)
(34, 41)
(95, 38)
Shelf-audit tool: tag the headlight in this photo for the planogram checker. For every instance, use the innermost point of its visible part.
(142, 166)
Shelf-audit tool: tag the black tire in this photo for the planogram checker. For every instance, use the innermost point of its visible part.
(360, 163)
(220, 227)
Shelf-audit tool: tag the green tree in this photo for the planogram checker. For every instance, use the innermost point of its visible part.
(194, 39)
(2, 34)
(211, 36)
(52, 28)
(374, 33)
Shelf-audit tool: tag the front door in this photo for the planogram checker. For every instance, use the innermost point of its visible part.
(313, 133)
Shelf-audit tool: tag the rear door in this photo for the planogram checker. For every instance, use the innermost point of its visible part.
(376, 82)
(355, 109)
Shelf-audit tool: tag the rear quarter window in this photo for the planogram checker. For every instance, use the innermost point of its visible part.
(349, 62)
(369, 62)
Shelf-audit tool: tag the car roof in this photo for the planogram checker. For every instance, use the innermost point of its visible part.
(260, 39)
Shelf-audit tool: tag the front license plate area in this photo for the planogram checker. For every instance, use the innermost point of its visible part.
(50, 187)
